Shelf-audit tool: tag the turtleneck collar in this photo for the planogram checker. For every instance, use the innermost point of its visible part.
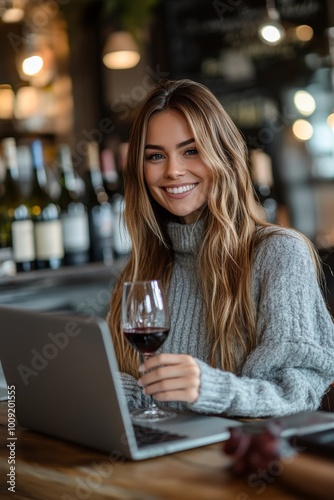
(186, 238)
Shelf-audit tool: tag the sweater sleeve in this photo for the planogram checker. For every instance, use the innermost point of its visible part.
(132, 391)
(293, 363)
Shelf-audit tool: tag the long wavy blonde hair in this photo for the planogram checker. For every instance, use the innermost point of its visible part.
(233, 222)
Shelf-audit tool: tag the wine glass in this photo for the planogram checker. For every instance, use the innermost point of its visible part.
(145, 325)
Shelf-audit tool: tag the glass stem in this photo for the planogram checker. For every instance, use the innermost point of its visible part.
(151, 405)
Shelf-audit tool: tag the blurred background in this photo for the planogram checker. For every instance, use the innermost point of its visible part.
(72, 71)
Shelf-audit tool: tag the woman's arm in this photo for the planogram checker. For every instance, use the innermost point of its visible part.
(133, 392)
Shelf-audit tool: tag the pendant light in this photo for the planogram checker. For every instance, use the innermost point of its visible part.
(120, 51)
(13, 11)
(35, 61)
(271, 31)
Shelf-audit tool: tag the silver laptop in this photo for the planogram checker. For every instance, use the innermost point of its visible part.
(67, 385)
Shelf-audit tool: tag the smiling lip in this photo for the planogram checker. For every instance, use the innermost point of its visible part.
(180, 189)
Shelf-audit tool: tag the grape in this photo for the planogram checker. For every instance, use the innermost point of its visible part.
(253, 450)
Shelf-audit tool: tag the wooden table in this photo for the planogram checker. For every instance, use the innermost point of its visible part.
(51, 469)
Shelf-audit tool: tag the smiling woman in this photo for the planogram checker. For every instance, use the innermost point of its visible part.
(176, 175)
(250, 331)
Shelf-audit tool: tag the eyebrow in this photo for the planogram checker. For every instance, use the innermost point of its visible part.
(178, 146)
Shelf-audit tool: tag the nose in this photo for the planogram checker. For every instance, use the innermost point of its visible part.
(173, 169)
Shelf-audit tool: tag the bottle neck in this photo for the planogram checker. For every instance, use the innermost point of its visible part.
(11, 180)
(67, 176)
(39, 173)
(109, 170)
(95, 179)
(12, 173)
(93, 165)
(39, 194)
(10, 184)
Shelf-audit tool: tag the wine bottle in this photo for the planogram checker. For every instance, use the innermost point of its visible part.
(74, 217)
(122, 244)
(19, 226)
(45, 214)
(8, 192)
(262, 177)
(110, 176)
(121, 239)
(99, 209)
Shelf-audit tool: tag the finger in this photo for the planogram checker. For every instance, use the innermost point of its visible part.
(183, 388)
(171, 384)
(174, 390)
(184, 371)
(163, 359)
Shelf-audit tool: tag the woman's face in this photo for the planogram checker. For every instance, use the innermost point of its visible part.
(176, 176)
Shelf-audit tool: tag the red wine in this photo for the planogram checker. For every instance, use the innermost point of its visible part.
(146, 340)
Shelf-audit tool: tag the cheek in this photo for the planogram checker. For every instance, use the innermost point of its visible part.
(148, 176)
(149, 179)
(152, 178)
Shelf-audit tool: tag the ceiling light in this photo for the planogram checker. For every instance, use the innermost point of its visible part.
(120, 51)
(35, 62)
(302, 129)
(271, 31)
(304, 102)
(304, 33)
(330, 121)
(14, 12)
(32, 65)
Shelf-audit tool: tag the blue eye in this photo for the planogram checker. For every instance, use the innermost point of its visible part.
(191, 152)
(154, 156)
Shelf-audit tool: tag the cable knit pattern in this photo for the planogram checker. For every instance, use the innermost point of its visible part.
(293, 363)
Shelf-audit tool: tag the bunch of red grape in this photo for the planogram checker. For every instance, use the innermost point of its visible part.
(253, 450)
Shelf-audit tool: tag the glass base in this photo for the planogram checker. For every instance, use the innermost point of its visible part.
(151, 414)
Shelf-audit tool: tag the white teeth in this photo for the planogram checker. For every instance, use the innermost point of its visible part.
(181, 189)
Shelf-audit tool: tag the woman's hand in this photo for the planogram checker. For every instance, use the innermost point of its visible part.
(171, 377)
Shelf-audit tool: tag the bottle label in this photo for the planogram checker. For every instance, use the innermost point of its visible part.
(23, 241)
(49, 240)
(102, 218)
(75, 232)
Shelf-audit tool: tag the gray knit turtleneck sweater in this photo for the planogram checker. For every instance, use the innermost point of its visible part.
(293, 363)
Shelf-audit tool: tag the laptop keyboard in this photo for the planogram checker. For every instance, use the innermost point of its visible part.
(147, 435)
